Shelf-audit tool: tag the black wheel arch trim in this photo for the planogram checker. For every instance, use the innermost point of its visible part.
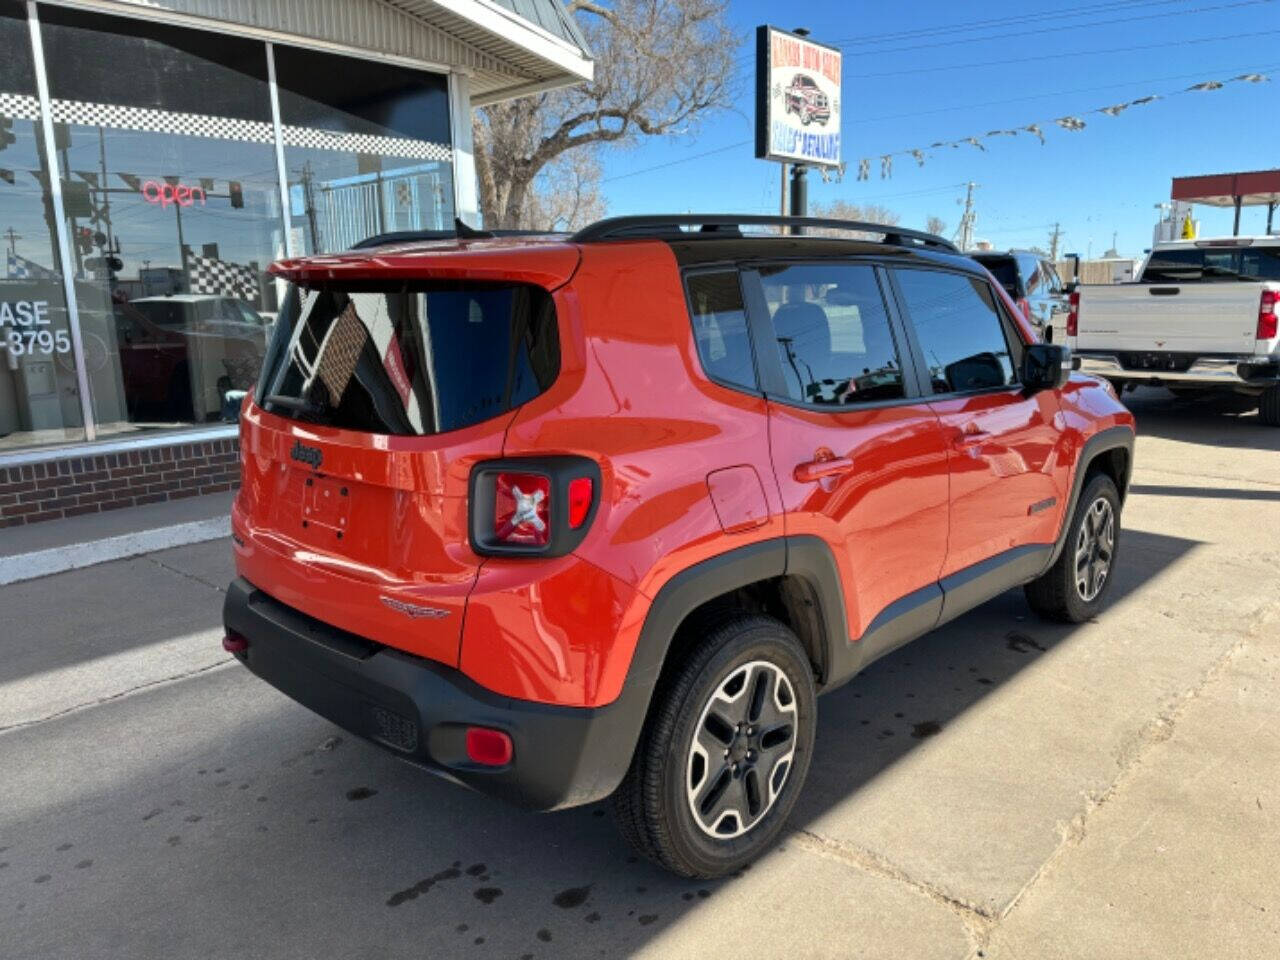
(1103, 441)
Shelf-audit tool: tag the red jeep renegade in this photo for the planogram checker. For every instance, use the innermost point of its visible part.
(571, 517)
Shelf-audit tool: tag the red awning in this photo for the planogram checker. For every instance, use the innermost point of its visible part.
(1259, 187)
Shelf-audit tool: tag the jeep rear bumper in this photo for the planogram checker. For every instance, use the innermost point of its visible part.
(419, 710)
(1233, 371)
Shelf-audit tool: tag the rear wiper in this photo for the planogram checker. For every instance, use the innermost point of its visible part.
(294, 403)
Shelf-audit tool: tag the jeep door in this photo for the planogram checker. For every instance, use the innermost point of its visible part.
(858, 454)
(1008, 474)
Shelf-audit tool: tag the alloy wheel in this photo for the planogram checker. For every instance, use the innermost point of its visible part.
(741, 751)
(1095, 546)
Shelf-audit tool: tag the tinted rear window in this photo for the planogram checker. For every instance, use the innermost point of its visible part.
(1213, 265)
(412, 361)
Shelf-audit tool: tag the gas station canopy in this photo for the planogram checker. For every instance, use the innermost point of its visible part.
(1259, 188)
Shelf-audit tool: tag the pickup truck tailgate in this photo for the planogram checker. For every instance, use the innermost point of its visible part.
(1191, 318)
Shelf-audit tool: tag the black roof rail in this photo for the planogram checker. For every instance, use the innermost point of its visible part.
(460, 231)
(665, 225)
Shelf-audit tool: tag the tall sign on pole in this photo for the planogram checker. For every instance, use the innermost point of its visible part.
(797, 105)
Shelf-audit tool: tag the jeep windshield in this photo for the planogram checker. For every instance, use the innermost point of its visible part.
(409, 359)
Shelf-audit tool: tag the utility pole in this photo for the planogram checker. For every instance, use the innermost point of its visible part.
(1053, 242)
(964, 233)
(13, 237)
(782, 208)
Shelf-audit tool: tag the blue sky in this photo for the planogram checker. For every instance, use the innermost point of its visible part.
(1028, 62)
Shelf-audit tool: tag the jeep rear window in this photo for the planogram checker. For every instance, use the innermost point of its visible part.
(412, 360)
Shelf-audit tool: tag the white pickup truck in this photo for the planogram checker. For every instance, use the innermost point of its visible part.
(1201, 316)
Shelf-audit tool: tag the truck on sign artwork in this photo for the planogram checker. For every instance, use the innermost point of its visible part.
(797, 99)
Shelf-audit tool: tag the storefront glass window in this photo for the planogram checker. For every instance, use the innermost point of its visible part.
(366, 148)
(39, 395)
(171, 195)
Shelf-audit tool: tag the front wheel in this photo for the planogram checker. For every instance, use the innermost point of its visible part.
(1073, 589)
(724, 753)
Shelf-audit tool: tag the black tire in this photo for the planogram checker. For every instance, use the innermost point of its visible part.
(653, 806)
(1269, 406)
(1057, 594)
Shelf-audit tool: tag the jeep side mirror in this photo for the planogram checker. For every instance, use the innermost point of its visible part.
(1045, 366)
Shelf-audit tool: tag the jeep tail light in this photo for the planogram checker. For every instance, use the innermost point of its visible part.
(532, 506)
(491, 748)
(1267, 310)
(522, 509)
(580, 494)
(1073, 315)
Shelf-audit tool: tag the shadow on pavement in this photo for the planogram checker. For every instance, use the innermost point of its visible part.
(1213, 421)
(220, 819)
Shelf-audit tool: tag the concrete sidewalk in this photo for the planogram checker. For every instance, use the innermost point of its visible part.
(41, 549)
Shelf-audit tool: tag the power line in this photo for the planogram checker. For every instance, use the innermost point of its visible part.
(965, 27)
(1058, 29)
(920, 113)
(1059, 56)
(985, 24)
(1059, 93)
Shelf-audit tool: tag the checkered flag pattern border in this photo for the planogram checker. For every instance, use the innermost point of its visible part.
(209, 275)
(19, 106)
(160, 121)
(149, 120)
(365, 143)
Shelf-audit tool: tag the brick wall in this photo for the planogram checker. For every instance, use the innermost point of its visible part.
(56, 489)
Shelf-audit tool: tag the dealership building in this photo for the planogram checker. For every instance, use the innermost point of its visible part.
(157, 155)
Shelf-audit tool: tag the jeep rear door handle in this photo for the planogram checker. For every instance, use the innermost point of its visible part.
(814, 470)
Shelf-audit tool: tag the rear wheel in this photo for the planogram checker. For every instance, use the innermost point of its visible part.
(1073, 589)
(1269, 406)
(724, 753)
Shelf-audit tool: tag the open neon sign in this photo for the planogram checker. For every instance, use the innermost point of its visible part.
(167, 193)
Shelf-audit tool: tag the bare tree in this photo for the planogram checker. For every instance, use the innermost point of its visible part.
(843, 210)
(935, 225)
(566, 194)
(661, 65)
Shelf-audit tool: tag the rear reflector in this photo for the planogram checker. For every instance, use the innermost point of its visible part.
(1267, 308)
(522, 509)
(580, 490)
(492, 748)
(234, 643)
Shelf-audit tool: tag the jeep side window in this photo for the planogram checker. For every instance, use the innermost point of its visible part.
(720, 327)
(833, 335)
(963, 339)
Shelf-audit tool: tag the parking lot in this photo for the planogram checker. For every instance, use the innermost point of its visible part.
(1002, 788)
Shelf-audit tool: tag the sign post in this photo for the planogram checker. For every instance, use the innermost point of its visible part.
(797, 105)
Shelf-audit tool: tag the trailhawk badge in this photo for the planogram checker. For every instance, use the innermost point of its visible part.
(414, 610)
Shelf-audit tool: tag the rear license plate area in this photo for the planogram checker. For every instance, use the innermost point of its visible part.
(326, 503)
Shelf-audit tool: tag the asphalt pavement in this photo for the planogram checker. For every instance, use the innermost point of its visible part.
(1002, 788)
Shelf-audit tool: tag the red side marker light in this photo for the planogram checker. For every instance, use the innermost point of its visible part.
(232, 642)
(492, 748)
(580, 490)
